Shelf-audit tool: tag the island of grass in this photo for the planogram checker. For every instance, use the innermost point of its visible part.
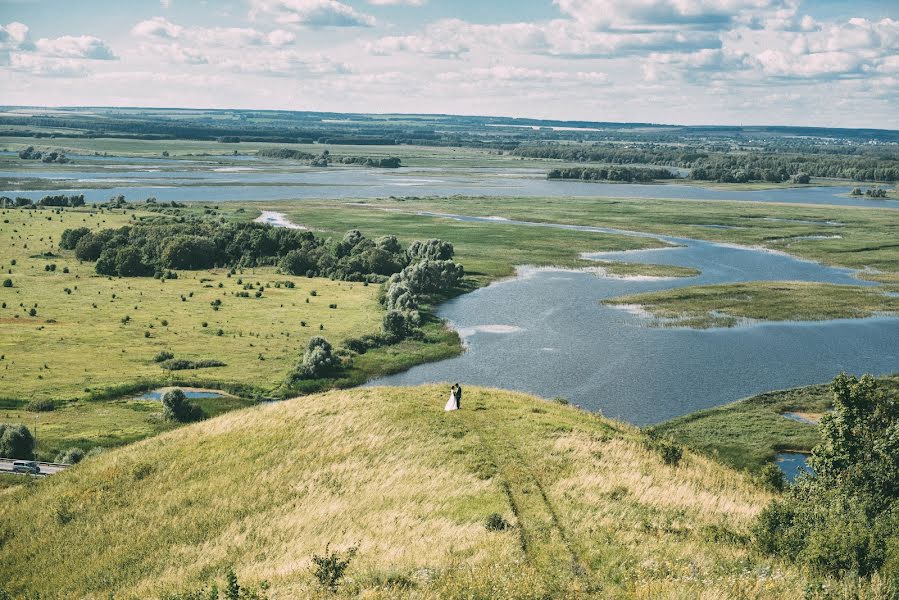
(749, 433)
(511, 497)
(627, 270)
(727, 305)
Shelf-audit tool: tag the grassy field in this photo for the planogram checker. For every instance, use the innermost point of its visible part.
(104, 423)
(594, 512)
(747, 434)
(728, 305)
(81, 341)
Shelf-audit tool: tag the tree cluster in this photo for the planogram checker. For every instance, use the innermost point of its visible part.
(845, 518)
(626, 174)
(175, 407)
(155, 247)
(58, 200)
(30, 153)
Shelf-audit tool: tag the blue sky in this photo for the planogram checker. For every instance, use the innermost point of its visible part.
(822, 62)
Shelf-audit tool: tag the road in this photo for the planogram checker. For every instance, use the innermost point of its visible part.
(46, 468)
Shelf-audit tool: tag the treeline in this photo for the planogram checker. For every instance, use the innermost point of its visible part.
(156, 247)
(390, 162)
(870, 192)
(30, 153)
(58, 200)
(627, 174)
(326, 158)
(728, 167)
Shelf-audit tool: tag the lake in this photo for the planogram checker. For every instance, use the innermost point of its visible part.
(234, 180)
(545, 332)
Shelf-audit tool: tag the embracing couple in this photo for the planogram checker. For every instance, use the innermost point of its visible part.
(455, 399)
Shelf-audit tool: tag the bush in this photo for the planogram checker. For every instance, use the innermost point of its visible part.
(670, 452)
(72, 456)
(89, 247)
(181, 364)
(175, 407)
(318, 360)
(772, 477)
(163, 356)
(330, 568)
(496, 522)
(7, 282)
(40, 406)
(16, 441)
(189, 252)
(397, 324)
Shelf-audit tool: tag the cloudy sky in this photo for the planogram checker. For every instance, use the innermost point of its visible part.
(811, 62)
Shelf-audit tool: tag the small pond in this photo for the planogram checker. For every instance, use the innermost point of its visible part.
(792, 464)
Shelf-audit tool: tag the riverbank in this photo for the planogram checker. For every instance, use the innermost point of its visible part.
(749, 433)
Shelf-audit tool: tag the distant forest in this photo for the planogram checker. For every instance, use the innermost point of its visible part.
(725, 154)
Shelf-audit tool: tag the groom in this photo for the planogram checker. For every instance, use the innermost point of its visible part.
(458, 389)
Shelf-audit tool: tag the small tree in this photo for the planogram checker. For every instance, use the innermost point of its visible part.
(318, 359)
(175, 407)
(16, 441)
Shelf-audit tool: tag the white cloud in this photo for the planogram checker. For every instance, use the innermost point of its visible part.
(83, 46)
(157, 27)
(44, 66)
(707, 14)
(311, 13)
(14, 36)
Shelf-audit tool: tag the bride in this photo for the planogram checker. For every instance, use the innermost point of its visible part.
(453, 402)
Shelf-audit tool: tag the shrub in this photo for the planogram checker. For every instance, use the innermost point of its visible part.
(772, 477)
(16, 441)
(181, 364)
(318, 360)
(89, 247)
(71, 456)
(40, 406)
(7, 282)
(163, 356)
(188, 252)
(330, 568)
(670, 452)
(175, 407)
(496, 522)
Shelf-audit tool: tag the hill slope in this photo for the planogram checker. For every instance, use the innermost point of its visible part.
(386, 469)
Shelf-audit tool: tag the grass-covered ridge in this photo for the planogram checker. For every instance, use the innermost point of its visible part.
(747, 434)
(729, 304)
(595, 511)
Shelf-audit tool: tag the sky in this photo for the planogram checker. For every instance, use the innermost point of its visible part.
(780, 62)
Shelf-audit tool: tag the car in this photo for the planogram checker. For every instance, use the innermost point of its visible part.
(26, 466)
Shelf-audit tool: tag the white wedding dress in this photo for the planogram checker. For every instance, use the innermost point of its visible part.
(451, 404)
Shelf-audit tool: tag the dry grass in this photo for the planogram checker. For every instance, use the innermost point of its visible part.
(262, 489)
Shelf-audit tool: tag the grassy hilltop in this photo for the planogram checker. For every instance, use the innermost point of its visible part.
(595, 512)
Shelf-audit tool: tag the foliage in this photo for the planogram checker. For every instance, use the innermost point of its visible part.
(156, 246)
(183, 364)
(626, 174)
(163, 355)
(772, 477)
(319, 360)
(40, 405)
(16, 441)
(670, 453)
(71, 456)
(845, 518)
(175, 407)
(496, 522)
(329, 568)
(70, 237)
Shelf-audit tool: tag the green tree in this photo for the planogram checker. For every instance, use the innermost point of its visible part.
(16, 441)
(845, 518)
